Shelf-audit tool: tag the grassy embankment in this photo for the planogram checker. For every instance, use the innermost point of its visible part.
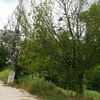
(4, 74)
(48, 91)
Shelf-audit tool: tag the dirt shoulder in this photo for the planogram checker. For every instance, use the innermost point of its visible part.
(10, 93)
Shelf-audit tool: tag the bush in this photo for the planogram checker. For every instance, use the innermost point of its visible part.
(93, 79)
(43, 88)
(4, 74)
(36, 85)
(63, 78)
(48, 91)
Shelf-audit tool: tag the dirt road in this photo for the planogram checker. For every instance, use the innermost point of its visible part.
(10, 93)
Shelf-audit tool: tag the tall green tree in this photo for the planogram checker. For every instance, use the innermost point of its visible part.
(73, 46)
(3, 52)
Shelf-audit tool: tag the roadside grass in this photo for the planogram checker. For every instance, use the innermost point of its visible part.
(4, 74)
(48, 91)
(44, 89)
(93, 95)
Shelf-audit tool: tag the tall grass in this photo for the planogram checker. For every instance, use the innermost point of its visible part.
(93, 95)
(39, 86)
(4, 74)
(48, 91)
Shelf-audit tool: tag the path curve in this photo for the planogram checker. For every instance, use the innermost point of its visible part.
(10, 93)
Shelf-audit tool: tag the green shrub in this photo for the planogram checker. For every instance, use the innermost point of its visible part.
(93, 79)
(43, 88)
(48, 91)
(63, 78)
(36, 85)
(4, 74)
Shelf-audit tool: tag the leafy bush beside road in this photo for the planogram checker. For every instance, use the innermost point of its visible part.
(4, 74)
(93, 79)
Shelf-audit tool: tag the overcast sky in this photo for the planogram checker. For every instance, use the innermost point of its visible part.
(6, 9)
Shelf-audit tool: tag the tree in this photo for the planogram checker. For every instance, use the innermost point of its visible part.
(3, 56)
(82, 44)
(3, 52)
(74, 46)
(93, 79)
(12, 39)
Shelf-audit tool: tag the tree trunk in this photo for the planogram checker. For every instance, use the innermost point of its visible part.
(81, 84)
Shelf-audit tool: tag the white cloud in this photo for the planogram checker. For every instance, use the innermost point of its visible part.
(6, 9)
(8, 6)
